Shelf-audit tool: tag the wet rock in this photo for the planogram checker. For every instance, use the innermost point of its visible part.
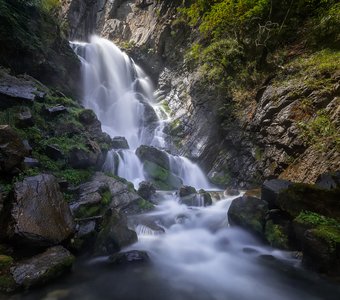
(120, 142)
(129, 257)
(7, 283)
(12, 150)
(39, 215)
(87, 117)
(206, 197)
(277, 235)
(329, 181)
(42, 268)
(249, 213)
(52, 151)
(271, 189)
(31, 162)
(186, 190)
(162, 178)
(56, 110)
(254, 193)
(146, 190)
(91, 157)
(114, 235)
(154, 155)
(101, 193)
(321, 250)
(85, 235)
(231, 192)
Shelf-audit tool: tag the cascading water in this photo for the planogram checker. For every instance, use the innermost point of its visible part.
(121, 95)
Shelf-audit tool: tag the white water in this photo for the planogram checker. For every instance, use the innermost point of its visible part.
(121, 95)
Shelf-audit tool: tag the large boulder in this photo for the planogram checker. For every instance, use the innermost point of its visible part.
(304, 197)
(42, 268)
(249, 213)
(120, 142)
(154, 155)
(39, 214)
(101, 193)
(92, 156)
(329, 181)
(271, 189)
(12, 150)
(114, 235)
(186, 190)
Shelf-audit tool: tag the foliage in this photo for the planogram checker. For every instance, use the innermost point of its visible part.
(75, 176)
(308, 217)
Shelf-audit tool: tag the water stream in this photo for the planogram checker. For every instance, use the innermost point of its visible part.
(194, 253)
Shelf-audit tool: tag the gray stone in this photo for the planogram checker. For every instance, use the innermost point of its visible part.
(42, 268)
(120, 142)
(271, 189)
(39, 214)
(129, 257)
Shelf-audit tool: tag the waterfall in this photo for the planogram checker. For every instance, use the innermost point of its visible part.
(121, 95)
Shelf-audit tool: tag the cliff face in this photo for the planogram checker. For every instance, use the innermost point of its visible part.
(275, 131)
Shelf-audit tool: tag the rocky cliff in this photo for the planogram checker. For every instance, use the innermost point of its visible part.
(276, 129)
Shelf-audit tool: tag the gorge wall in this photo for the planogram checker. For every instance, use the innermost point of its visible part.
(276, 130)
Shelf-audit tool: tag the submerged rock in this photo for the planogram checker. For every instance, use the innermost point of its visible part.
(129, 257)
(12, 150)
(39, 214)
(42, 268)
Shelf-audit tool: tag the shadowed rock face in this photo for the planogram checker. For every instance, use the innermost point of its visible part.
(39, 213)
(43, 267)
(12, 150)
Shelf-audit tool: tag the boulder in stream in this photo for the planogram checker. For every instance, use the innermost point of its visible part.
(128, 258)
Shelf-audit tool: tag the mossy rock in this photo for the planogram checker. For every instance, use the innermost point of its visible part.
(7, 283)
(276, 235)
(249, 213)
(5, 261)
(303, 197)
(162, 178)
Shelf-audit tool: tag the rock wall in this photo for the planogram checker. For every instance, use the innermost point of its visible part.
(262, 140)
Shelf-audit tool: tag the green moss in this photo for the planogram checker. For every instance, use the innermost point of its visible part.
(330, 233)
(314, 219)
(275, 235)
(106, 197)
(87, 212)
(66, 144)
(145, 205)
(5, 261)
(75, 176)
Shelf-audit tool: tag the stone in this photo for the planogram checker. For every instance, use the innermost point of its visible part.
(206, 197)
(271, 189)
(120, 142)
(249, 213)
(321, 251)
(56, 110)
(114, 235)
(30, 162)
(87, 117)
(52, 151)
(329, 181)
(162, 178)
(81, 159)
(25, 119)
(91, 195)
(154, 155)
(231, 192)
(186, 190)
(146, 190)
(304, 197)
(39, 214)
(17, 91)
(43, 267)
(129, 257)
(12, 150)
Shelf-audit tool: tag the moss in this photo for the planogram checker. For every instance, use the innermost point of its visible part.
(314, 219)
(106, 197)
(145, 205)
(7, 283)
(75, 176)
(276, 236)
(222, 178)
(66, 144)
(87, 212)
(5, 261)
